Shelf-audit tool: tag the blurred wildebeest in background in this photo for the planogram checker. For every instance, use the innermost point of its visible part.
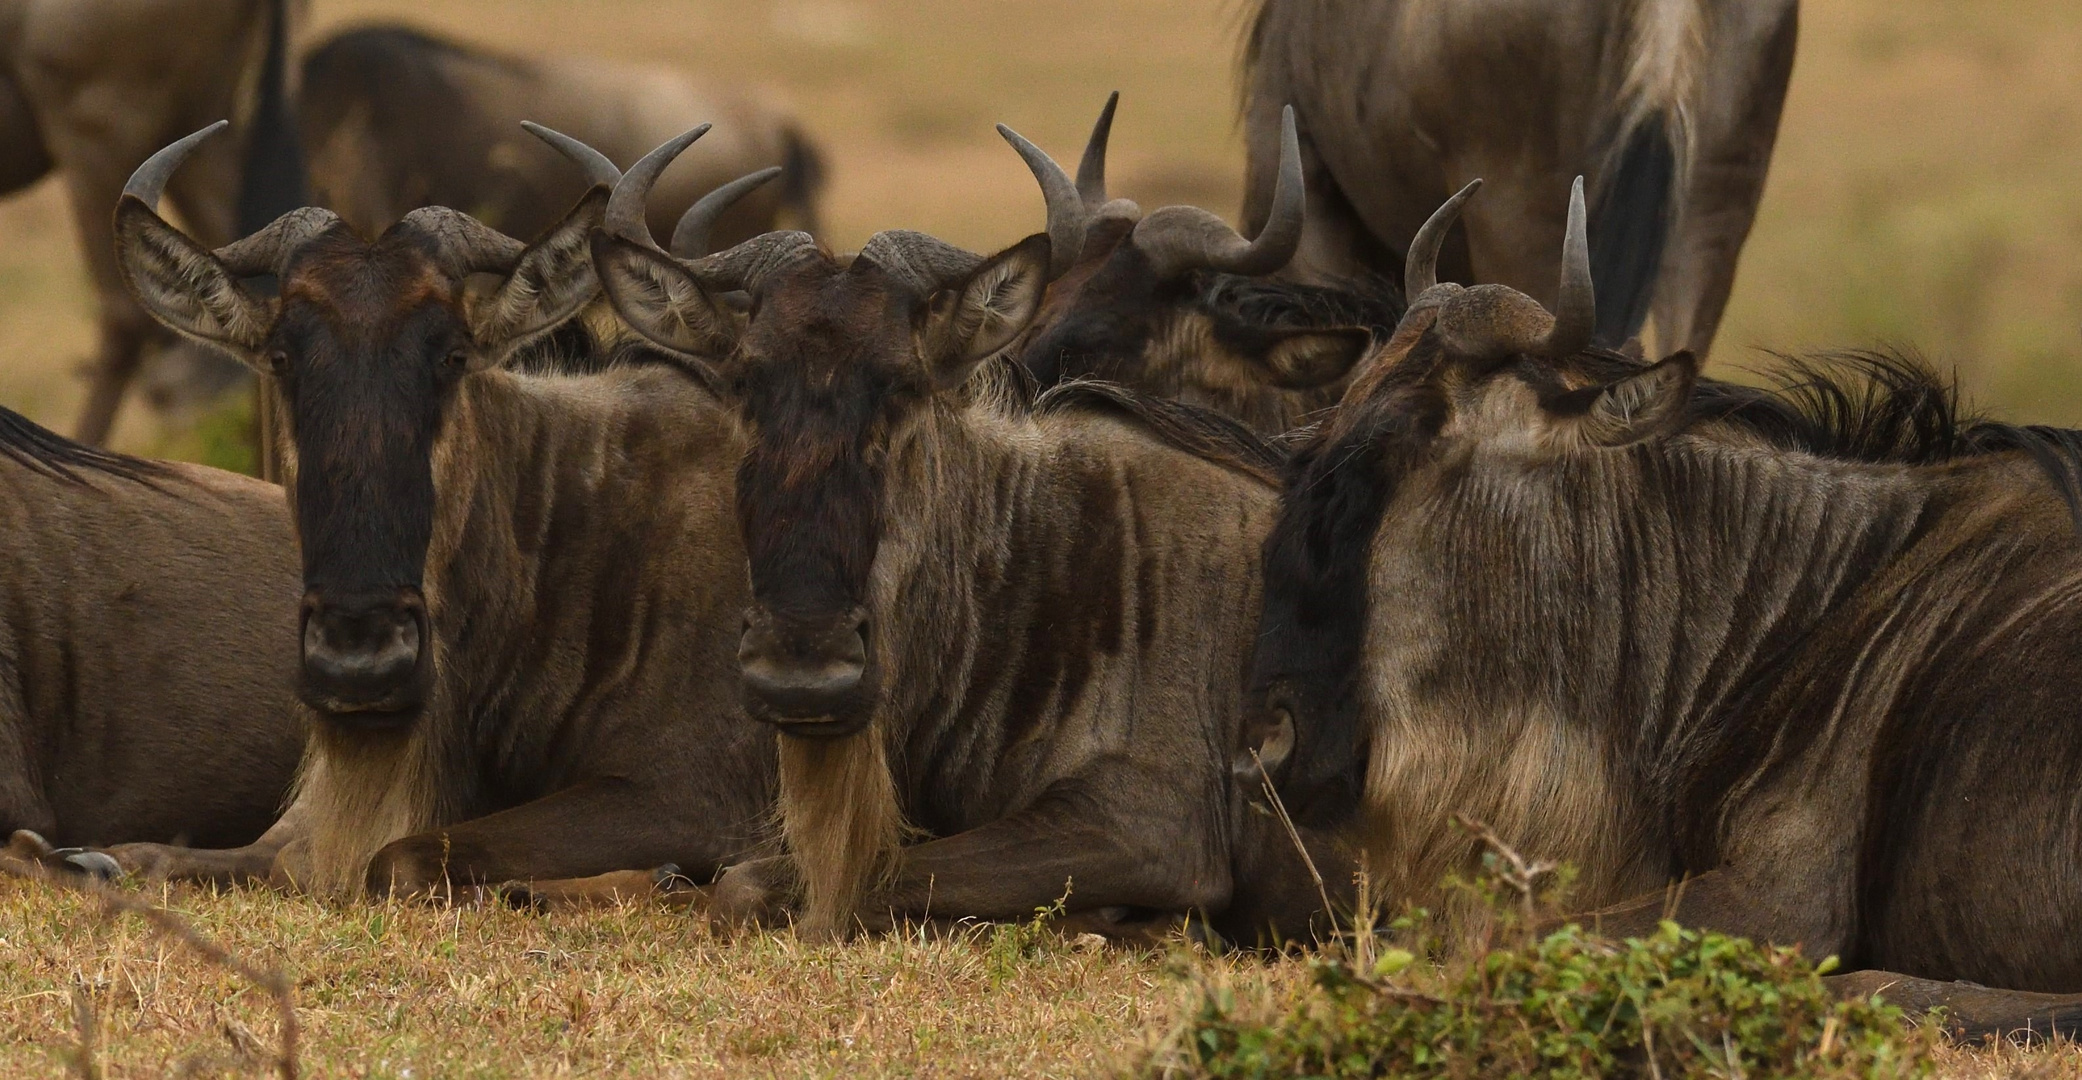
(146, 667)
(1670, 107)
(92, 87)
(1813, 648)
(1165, 304)
(1017, 627)
(396, 119)
(521, 595)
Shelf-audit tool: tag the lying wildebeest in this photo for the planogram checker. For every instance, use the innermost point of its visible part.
(92, 87)
(1141, 301)
(1670, 108)
(521, 594)
(1816, 660)
(1017, 628)
(146, 675)
(397, 119)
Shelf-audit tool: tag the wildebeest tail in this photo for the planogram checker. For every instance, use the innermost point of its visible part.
(41, 450)
(1630, 224)
(273, 181)
(802, 177)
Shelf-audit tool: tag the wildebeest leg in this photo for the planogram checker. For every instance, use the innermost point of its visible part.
(1735, 126)
(1063, 847)
(23, 804)
(1725, 902)
(252, 864)
(664, 884)
(1972, 1012)
(588, 829)
(124, 328)
(24, 159)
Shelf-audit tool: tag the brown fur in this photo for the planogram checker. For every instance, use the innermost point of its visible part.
(576, 571)
(1054, 604)
(1821, 663)
(1669, 108)
(146, 657)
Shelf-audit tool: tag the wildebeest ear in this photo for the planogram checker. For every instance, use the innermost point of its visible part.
(1641, 406)
(659, 299)
(1307, 359)
(552, 281)
(185, 286)
(969, 321)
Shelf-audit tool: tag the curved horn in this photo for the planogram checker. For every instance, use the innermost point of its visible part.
(1091, 171)
(1576, 312)
(1421, 267)
(148, 183)
(1068, 216)
(265, 251)
(690, 236)
(747, 265)
(924, 263)
(626, 207)
(1178, 239)
(598, 169)
(268, 251)
(464, 245)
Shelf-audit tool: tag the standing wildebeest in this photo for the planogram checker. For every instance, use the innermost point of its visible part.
(1017, 628)
(1142, 301)
(1820, 659)
(1670, 107)
(521, 593)
(397, 119)
(146, 674)
(92, 87)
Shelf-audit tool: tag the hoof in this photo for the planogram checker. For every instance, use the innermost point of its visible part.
(94, 864)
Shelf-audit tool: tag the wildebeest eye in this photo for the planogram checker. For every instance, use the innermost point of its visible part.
(458, 358)
(278, 362)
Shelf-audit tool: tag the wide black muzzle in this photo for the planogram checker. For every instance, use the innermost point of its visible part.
(365, 658)
(808, 677)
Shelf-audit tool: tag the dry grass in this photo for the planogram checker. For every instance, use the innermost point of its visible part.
(415, 991)
(407, 990)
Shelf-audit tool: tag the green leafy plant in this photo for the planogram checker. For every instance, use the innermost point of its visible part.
(1513, 1000)
(1012, 944)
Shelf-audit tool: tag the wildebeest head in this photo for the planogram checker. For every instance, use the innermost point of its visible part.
(1483, 369)
(834, 364)
(367, 342)
(1138, 299)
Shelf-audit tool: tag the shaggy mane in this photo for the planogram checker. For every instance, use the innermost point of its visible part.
(42, 450)
(1204, 434)
(1879, 406)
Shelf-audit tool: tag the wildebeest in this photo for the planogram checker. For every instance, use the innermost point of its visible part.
(1144, 301)
(1818, 659)
(146, 672)
(1017, 628)
(396, 119)
(92, 87)
(520, 594)
(1670, 107)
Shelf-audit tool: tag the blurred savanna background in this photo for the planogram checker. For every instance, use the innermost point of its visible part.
(1927, 189)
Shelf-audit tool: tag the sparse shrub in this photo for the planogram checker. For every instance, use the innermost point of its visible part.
(1513, 1002)
(1012, 944)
